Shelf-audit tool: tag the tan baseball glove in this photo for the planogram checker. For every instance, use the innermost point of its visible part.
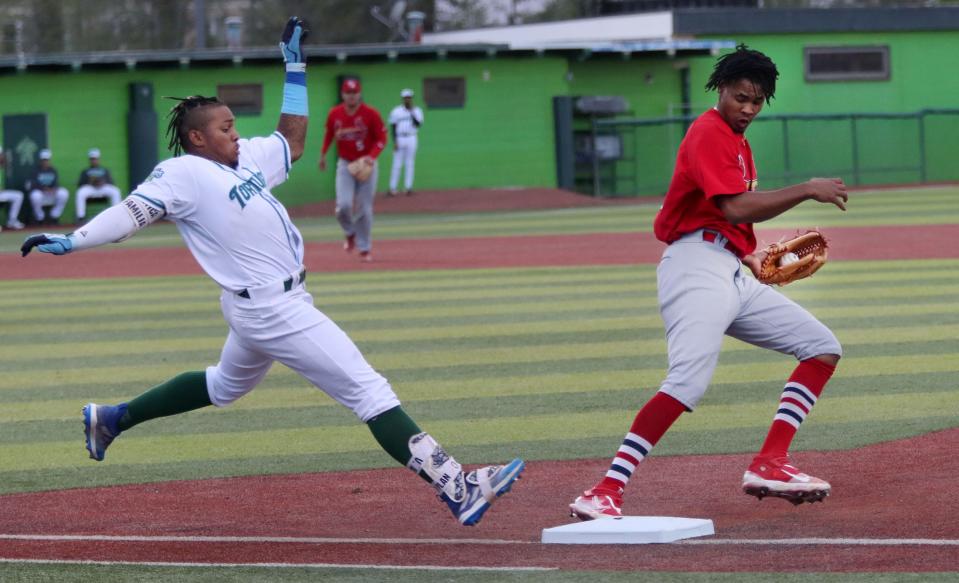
(360, 169)
(793, 259)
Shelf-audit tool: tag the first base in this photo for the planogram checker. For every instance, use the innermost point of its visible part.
(628, 530)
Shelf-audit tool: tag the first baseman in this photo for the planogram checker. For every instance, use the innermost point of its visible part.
(705, 293)
(360, 134)
(218, 195)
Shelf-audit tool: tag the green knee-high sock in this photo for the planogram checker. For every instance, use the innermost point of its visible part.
(392, 430)
(182, 393)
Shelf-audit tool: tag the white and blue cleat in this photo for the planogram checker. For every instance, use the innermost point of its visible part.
(482, 487)
(100, 427)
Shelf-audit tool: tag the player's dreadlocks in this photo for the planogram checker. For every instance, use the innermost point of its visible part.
(745, 63)
(183, 118)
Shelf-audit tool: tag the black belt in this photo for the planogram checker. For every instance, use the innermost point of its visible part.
(287, 285)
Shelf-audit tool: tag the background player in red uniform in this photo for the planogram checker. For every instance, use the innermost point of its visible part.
(360, 134)
(704, 293)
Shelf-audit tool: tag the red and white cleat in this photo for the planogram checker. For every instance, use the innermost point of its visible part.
(777, 477)
(597, 503)
(349, 244)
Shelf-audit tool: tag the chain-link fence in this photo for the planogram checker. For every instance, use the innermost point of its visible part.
(861, 148)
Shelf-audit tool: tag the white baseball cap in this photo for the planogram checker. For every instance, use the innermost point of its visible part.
(406, 93)
(93, 153)
(46, 154)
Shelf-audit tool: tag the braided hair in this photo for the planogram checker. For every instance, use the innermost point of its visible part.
(183, 118)
(745, 63)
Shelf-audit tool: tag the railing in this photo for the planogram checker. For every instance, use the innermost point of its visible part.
(862, 148)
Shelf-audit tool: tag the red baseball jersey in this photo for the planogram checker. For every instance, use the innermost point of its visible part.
(713, 160)
(357, 135)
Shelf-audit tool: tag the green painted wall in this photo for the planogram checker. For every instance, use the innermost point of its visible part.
(503, 136)
(650, 84)
(888, 149)
(920, 74)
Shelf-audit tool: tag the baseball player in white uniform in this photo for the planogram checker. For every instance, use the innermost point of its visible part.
(14, 198)
(405, 121)
(218, 195)
(95, 182)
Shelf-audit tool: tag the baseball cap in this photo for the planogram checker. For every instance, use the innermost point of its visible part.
(406, 93)
(350, 86)
(93, 153)
(46, 154)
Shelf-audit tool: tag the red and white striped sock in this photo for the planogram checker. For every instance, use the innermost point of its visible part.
(648, 427)
(800, 394)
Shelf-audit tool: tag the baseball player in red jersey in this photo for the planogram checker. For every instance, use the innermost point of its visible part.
(360, 133)
(704, 292)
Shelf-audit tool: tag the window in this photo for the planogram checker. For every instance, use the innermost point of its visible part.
(444, 91)
(847, 63)
(243, 99)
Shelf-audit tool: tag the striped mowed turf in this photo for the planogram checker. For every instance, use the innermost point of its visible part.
(924, 206)
(490, 361)
(547, 363)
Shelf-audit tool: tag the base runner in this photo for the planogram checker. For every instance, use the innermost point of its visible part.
(218, 195)
(704, 293)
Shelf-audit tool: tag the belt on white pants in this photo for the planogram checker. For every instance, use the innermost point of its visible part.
(274, 289)
(714, 237)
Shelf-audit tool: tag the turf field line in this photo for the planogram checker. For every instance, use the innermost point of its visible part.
(766, 370)
(436, 328)
(275, 565)
(640, 346)
(457, 541)
(227, 444)
(828, 541)
(309, 540)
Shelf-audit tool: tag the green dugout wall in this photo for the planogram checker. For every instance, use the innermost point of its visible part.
(503, 136)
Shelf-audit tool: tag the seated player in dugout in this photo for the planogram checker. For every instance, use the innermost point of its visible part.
(216, 189)
(95, 183)
(704, 293)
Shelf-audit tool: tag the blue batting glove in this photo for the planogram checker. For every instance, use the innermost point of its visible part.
(48, 243)
(294, 32)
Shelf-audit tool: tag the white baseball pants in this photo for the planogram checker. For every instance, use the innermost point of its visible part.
(704, 294)
(284, 326)
(87, 191)
(15, 199)
(354, 204)
(403, 155)
(41, 198)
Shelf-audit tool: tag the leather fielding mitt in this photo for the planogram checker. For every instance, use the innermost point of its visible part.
(360, 169)
(793, 259)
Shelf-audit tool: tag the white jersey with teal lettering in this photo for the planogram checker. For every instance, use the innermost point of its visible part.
(240, 234)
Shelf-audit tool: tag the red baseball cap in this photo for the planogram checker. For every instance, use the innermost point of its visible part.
(350, 86)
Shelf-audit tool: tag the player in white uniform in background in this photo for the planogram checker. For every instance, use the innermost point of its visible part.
(218, 195)
(405, 121)
(95, 182)
(13, 197)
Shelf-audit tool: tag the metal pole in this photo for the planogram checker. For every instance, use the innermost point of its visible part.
(922, 146)
(855, 150)
(787, 171)
(595, 157)
(199, 17)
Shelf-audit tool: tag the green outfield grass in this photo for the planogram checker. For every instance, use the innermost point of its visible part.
(84, 574)
(494, 362)
(544, 363)
(926, 206)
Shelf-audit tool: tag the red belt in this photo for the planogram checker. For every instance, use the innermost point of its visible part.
(711, 237)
